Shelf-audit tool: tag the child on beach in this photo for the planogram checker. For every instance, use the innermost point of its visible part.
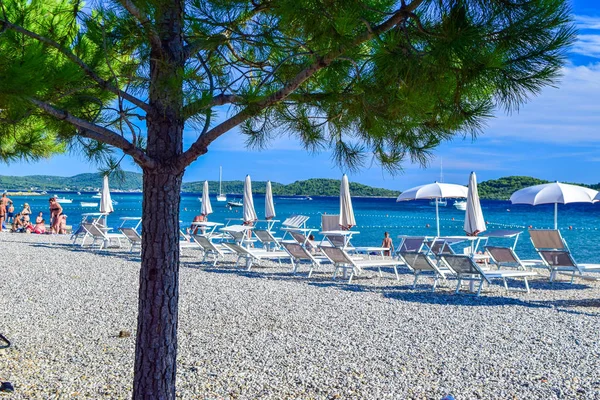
(387, 242)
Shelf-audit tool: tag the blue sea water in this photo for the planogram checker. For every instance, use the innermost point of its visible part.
(579, 223)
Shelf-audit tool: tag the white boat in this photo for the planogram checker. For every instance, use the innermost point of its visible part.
(234, 203)
(79, 193)
(87, 204)
(460, 205)
(97, 196)
(62, 200)
(440, 202)
(221, 196)
(296, 198)
(44, 192)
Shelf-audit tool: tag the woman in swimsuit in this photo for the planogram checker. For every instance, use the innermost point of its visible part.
(4, 202)
(55, 211)
(25, 213)
(40, 218)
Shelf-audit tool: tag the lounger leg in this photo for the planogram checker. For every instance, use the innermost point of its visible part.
(294, 267)
(379, 268)
(526, 284)
(435, 282)
(415, 281)
(505, 284)
(248, 263)
(312, 266)
(351, 275)
(458, 286)
(480, 287)
(396, 272)
(572, 277)
(335, 272)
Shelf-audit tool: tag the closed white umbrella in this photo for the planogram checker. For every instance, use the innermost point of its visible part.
(269, 205)
(597, 198)
(434, 191)
(553, 193)
(249, 213)
(106, 205)
(347, 220)
(474, 222)
(206, 206)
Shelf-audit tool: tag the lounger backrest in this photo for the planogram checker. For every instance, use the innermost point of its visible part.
(295, 221)
(205, 243)
(298, 237)
(557, 258)
(412, 244)
(238, 249)
(438, 247)
(547, 239)
(417, 261)
(93, 230)
(330, 222)
(337, 241)
(296, 251)
(336, 255)
(131, 234)
(461, 264)
(264, 236)
(501, 254)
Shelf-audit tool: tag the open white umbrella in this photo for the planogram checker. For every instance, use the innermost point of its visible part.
(206, 206)
(553, 193)
(106, 205)
(597, 198)
(249, 212)
(347, 220)
(474, 222)
(434, 191)
(269, 205)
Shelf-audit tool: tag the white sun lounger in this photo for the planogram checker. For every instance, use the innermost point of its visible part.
(269, 241)
(213, 252)
(467, 270)
(133, 236)
(505, 257)
(560, 261)
(342, 261)
(252, 255)
(420, 264)
(299, 254)
(98, 235)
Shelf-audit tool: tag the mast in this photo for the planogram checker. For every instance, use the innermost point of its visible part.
(220, 176)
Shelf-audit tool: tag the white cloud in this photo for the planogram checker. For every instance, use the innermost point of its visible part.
(587, 22)
(587, 45)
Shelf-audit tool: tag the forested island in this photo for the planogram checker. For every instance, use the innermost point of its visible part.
(496, 189)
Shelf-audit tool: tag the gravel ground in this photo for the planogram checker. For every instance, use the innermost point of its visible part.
(268, 334)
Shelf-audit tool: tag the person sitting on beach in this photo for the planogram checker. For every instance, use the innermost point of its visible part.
(55, 211)
(193, 229)
(4, 203)
(39, 218)
(25, 213)
(387, 242)
(18, 225)
(39, 227)
(62, 224)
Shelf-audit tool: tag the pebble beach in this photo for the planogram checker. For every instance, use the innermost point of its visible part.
(273, 335)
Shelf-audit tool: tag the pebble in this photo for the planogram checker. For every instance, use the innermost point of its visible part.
(271, 335)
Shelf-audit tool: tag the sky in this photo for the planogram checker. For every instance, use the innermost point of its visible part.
(555, 136)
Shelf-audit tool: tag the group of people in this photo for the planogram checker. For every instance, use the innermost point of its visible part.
(21, 221)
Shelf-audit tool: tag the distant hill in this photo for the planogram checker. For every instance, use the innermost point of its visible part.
(495, 189)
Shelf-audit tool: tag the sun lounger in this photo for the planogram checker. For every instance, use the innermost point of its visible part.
(420, 264)
(299, 254)
(212, 251)
(560, 261)
(330, 222)
(342, 261)
(505, 257)
(547, 239)
(254, 255)
(438, 246)
(269, 241)
(186, 242)
(468, 270)
(410, 244)
(295, 221)
(99, 235)
(133, 236)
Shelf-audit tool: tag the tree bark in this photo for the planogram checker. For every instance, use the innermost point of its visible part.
(156, 345)
(156, 342)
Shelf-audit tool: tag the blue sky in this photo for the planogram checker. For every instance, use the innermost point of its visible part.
(556, 136)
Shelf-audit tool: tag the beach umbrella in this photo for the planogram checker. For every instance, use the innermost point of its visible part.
(553, 193)
(269, 205)
(474, 222)
(106, 205)
(434, 191)
(597, 198)
(347, 220)
(206, 207)
(249, 213)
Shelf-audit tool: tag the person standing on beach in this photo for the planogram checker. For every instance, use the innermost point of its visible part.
(26, 212)
(55, 211)
(10, 213)
(387, 242)
(4, 202)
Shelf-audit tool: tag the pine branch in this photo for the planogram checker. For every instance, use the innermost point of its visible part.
(143, 21)
(98, 133)
(88, 71)
(201, 145)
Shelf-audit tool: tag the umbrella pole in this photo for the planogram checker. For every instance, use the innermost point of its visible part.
(555, 215)
(437, 217)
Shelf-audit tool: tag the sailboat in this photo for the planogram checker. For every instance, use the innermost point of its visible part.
(441, 202)
(221, 196)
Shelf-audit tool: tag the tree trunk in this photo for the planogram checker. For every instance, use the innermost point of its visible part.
(156, 346)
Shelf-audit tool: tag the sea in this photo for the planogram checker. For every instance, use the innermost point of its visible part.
(579, 223)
